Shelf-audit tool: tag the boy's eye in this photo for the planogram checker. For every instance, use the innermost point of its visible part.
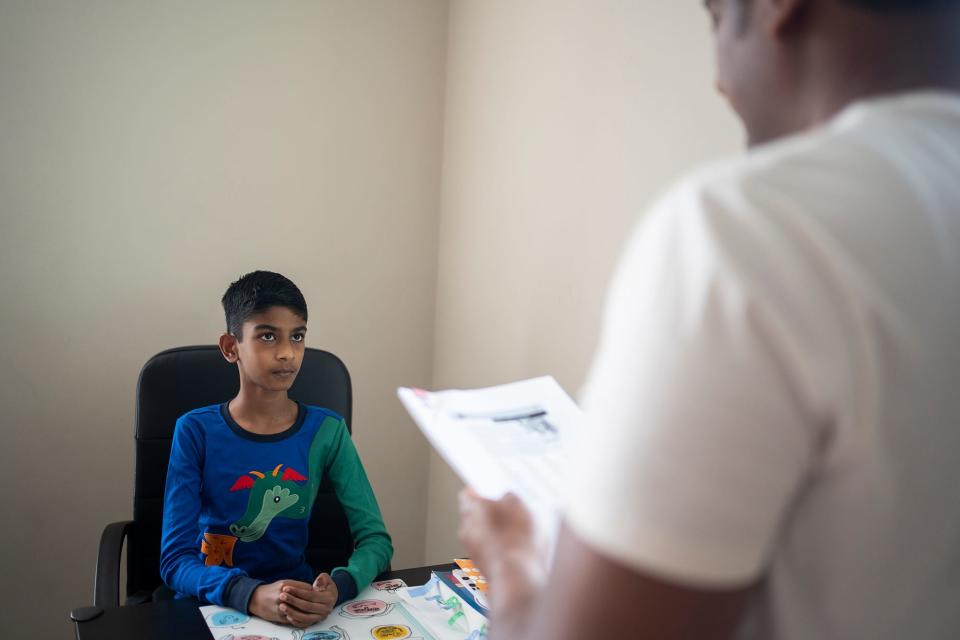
(297, 337)
(268, 337)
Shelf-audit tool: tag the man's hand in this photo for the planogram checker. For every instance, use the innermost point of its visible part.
(293, 602)
(501, 538)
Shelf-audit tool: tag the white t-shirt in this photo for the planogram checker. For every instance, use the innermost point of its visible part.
(777, 388)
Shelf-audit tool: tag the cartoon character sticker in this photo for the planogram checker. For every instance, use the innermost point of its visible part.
(391, 632)
(389, 585)
(365, 608)
(333, 633)
(229, 618)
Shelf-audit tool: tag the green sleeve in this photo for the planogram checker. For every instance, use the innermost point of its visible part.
(373, 546)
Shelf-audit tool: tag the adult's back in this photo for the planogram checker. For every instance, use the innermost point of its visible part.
(799, 310)
(772, 419)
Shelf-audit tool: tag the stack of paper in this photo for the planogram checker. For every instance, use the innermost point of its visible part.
(506, 438)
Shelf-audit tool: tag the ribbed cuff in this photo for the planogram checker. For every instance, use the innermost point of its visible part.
(238, 591)
(346, 587)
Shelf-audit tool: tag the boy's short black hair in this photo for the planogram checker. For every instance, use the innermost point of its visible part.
(256, 291)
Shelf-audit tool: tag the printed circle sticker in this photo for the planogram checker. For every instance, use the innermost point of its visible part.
(333, 633)
(389, 585)
(365, 608)
(326, 634)
(228, 619)
(390, 632)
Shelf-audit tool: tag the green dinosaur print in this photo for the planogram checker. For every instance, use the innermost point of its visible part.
(279, 495)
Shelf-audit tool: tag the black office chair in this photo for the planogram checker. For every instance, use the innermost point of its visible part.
(172, 383)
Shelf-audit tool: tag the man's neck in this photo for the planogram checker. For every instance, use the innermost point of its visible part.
(871, 56)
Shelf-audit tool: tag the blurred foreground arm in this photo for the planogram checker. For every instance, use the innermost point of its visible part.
(589, 595)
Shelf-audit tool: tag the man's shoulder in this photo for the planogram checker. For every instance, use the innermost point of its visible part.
(799, 167)
(820, 182)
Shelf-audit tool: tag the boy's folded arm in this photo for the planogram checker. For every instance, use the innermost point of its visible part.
(181, 566)
(373, 545)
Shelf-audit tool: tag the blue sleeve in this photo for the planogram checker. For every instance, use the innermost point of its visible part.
(181, 565)
(346, 587)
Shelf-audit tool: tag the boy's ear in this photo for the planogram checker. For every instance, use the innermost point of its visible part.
(228, 347)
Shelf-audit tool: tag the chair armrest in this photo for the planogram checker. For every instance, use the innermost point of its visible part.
(106, 592)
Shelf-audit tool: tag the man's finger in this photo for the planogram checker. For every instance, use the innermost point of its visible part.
(469, 500)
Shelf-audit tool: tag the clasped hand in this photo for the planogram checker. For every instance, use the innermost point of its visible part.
(293, 602)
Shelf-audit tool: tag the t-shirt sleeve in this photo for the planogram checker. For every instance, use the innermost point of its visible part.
(696, 436)
(181, 565)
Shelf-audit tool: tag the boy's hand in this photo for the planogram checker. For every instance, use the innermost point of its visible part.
(265, 602)
(292, 602)
(327, 587)
(326, 590)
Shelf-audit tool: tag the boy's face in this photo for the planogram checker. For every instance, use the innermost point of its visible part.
(270, 350)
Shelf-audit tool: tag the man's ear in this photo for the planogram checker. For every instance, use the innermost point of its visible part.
(780, 16)
(228, 347)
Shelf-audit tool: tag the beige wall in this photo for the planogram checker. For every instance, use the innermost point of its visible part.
(564, 118)
(149, 154)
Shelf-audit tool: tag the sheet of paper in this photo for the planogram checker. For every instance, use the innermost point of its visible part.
(510, 437)
(378, 612)
(446, 611)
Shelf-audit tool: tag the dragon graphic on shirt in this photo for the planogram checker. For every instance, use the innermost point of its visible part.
(271, 495)
(286, 494)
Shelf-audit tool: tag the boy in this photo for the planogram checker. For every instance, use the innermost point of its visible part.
(243, 476)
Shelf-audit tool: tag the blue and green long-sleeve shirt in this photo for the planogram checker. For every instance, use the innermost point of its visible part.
(237, 505)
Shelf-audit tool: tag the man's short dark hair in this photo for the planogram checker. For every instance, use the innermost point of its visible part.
(903, 5)
(256, 292)
(897, 5)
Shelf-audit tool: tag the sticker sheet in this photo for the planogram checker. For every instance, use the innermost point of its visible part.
(378, 613)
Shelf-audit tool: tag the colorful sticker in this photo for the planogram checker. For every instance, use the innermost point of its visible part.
(391, 632)
(333, 633)
(389, 585)
(365, 608)
(228, 619)
(253, 637)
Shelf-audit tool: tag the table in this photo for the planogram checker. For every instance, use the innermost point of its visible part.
(181, 619)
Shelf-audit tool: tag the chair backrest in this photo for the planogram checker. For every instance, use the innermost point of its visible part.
(178, 380)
